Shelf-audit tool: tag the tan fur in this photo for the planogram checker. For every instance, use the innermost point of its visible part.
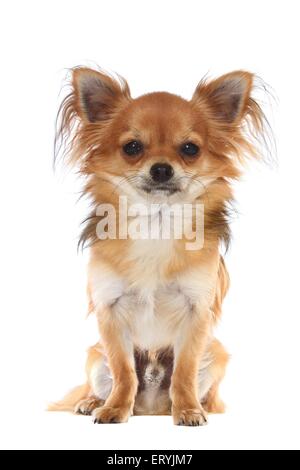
(84, 399)
(69, 402)
(120, 403)
(155, 294)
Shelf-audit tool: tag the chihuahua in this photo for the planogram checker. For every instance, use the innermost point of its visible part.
(156, 298)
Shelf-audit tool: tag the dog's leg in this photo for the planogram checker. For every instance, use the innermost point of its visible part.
(212, 402)
(119, 351)
(188, 351)
(210, 377)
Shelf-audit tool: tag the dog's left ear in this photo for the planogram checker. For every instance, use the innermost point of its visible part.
(226, 97)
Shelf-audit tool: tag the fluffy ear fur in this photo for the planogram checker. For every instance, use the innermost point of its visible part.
(226, 96)
(97, 94)
(235, 117)
(94, 99)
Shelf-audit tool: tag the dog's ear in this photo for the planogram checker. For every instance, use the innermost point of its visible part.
(97, 95)
(226, 97)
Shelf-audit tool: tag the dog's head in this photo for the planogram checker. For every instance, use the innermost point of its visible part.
(160, 147)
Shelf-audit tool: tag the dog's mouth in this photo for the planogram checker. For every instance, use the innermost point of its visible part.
(167, 189)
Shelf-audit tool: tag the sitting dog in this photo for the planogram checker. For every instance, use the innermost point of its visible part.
(156, 298)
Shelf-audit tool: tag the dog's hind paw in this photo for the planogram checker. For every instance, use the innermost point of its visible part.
(88, 405)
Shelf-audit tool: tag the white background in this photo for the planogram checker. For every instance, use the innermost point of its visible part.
(156, 45)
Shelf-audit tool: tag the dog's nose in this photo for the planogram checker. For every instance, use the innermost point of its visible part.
(161, 172)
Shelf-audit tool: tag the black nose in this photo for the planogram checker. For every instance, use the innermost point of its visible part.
(161, 172)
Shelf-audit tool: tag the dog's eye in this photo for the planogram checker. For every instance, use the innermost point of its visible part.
(133, 148)
(189, 149)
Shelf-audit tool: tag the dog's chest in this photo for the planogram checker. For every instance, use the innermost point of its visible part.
(154, 312)
(152, 308)
(149, 259)
(153, 315)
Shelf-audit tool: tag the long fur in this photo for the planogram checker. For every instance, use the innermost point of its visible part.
(69, 402)
(94, 122)
(77, 142)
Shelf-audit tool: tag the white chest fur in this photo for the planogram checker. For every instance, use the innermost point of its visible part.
(152, 310)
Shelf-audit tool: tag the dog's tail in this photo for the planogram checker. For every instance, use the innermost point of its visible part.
(69, 402)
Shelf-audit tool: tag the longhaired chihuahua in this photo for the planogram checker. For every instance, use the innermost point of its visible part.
(156, 299)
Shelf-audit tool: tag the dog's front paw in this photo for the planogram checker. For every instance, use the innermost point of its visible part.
(87, 406)
(189, 417)
(108, 414)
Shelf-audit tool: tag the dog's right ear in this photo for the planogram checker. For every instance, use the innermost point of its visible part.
(97, 95)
